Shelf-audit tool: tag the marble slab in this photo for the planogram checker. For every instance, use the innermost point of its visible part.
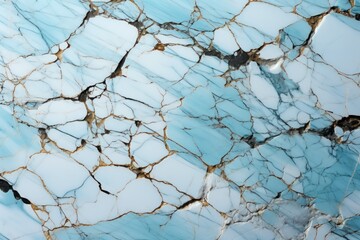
(192, 119)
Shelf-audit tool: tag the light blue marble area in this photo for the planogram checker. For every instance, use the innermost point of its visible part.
(191, 119)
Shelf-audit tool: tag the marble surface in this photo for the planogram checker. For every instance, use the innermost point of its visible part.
(192, 119)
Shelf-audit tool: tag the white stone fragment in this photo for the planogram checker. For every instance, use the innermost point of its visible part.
(60, 174)
(143, 149)
(224, 40)
(266, 18)
(139, 196)
(183, 175)
(271, 51)
(114, 179)
(264, 91)
(59, 112)
(337, 39)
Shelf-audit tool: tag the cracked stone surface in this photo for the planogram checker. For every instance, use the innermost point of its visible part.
(192, 119)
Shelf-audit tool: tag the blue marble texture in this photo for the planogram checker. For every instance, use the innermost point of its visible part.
(192, 119)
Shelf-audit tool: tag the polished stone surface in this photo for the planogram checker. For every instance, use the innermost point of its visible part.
(191, 119)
